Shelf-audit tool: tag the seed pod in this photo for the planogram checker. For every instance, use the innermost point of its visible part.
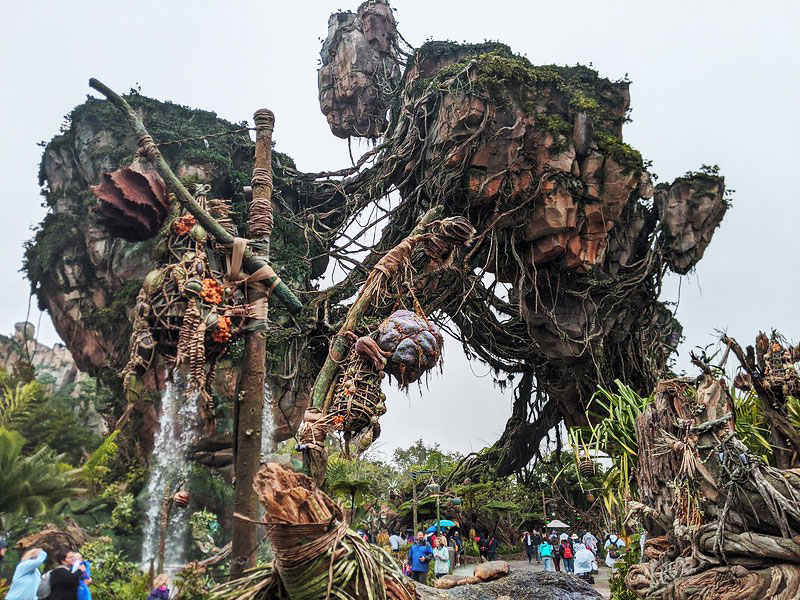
(193, 287)
(153, 281)
(198, 234)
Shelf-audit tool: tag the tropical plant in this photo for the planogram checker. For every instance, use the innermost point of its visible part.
(32, 485)
(113, 576)
(613, 434)
(16, 401)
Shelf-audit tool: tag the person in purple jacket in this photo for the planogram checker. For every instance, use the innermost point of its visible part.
(160, 589)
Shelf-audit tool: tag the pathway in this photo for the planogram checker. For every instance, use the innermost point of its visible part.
(600, 580)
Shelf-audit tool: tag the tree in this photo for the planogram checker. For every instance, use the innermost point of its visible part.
(31, 485)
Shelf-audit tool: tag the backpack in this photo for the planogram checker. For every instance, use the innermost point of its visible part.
(44, 587)
(566, 551)
(613, 550)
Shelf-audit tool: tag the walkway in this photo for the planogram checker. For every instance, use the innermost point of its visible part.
(600, 581)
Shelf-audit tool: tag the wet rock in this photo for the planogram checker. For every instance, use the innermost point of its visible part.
(582, 133)
(519, 585)
(491, 570)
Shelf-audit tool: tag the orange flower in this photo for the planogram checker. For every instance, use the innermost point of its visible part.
(223, 331)
(183, 225)
(212, 291)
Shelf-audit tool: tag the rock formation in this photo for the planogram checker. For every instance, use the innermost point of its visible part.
(55, 364)
(560, 283)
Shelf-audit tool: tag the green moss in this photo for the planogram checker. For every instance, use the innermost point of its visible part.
(629, 158)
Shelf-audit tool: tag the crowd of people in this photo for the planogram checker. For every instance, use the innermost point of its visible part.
(577, 554)
(570, 553)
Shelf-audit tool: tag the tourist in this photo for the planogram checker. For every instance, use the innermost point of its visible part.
(537, 540)
(590, 542)
(481, 541)
(491, 548)
(527, 543)
(441, 565)
(567, 554)
(84, 593)
(395, 542)
(63, 582)
(26, 579)
(160, 590)
(419, 555)
(546, 553)
(613, 547)
(584, 562)
(556, 552)
(458, 547)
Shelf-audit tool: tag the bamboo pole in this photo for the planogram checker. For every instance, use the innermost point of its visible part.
(150, 151)
(251, 400)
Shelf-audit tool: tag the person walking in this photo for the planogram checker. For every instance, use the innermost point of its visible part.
(583, 562)
(527, 543)
(590, 542)
(441, 565)
(567, 555)
(491, 548)
(25, 582)
(160, 590)
(419, 555)
(458, 547)
(614, 547)
(554, 543)
(537, 541)
(84, 593)
(395, 542)
(63, 582)
(546, 552)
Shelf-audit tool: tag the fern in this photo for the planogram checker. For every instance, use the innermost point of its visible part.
(16, 403)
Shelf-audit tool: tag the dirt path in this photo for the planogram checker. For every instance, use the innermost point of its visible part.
(600, 581)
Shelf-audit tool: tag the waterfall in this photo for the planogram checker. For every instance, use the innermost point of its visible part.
(267, 421)
(169, 465)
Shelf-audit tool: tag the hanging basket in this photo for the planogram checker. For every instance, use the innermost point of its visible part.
(587, 467)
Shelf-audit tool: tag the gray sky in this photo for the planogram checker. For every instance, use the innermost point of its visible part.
(713, 82)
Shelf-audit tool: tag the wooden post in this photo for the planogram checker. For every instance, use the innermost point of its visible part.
(414, 504)
(251, 399)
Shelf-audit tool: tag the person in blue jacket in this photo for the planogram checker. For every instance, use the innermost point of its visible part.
(84, 593)
(26, 579)
(420, 555)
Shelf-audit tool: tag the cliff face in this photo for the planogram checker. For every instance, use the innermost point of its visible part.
(88, 279)
(53, 364)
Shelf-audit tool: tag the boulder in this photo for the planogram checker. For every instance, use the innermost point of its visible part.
(494, 569)
(519, 585)
(448, 581)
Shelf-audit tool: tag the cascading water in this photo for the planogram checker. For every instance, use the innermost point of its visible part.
(177, 430)
(267, 422)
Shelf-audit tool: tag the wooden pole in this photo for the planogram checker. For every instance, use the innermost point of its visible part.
(414, 504)
(251, 399)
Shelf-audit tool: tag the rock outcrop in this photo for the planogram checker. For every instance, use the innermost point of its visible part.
(54, 365)
(360, 70)
(519, 585)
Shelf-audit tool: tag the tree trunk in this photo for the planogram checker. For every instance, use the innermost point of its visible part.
(720, 522)
(251, 398)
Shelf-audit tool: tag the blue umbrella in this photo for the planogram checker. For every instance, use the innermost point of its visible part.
(443, 524)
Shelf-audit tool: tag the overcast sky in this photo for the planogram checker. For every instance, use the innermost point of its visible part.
(713, 82)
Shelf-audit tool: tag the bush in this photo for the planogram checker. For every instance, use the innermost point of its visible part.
(113, 576)
(631, 556)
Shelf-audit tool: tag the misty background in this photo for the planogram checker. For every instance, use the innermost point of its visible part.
(714, 82)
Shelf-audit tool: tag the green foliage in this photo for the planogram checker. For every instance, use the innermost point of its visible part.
(123, 517)
(193, 584)
(31, 485)
(16, 401)
(631, 556)
(614, 435)
(97, 470)
(113, 576)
